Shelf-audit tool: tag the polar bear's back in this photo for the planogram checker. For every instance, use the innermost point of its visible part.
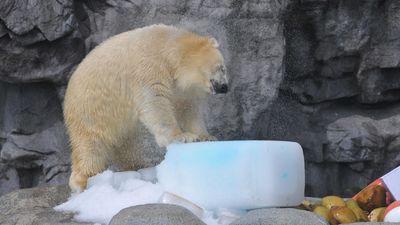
(105, 83)
(123, 53)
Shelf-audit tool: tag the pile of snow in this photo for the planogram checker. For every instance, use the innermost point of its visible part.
(110, 192)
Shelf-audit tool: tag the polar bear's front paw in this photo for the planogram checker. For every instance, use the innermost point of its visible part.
(207, 137)
(185, 138)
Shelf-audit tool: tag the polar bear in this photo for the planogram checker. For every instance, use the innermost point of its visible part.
(158, 75)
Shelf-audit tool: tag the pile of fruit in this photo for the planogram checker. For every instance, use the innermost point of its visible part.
(368, 205)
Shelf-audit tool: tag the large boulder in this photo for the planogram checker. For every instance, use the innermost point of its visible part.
(276, 216)
(35, 206)
(155, 214)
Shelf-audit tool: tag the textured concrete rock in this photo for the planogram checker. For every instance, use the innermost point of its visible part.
(276, 216)
(296, 69)
(379, 84)
(35, 206)
(361, 139)
(370, 148)
(352, 56)
(29, 22)
(43, 42)
(43, 61)
(31, 37)
(34, 150)
(52, 156)
(9, 179)
(155, 214)
(341, 62)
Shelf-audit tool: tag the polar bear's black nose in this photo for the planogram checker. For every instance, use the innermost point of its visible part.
(224, 88)
(221, 88)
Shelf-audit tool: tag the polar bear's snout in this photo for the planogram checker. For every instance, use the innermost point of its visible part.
(219, 82)
(219, 87)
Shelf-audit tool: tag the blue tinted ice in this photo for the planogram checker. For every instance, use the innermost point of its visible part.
(235, 174)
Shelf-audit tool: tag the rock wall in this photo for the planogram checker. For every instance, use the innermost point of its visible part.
(340, 94)
(42, 41)
(323, 73)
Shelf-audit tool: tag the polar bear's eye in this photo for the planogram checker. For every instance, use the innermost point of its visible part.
(221, 68)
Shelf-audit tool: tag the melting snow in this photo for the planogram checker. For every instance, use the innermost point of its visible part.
(110, 192)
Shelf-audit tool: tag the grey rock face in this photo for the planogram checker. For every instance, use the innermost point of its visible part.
(40, 62)
(379, 140)
(155, 214)
(350, 56)
(32, 21)
(324, 73)
(43, 42)
(369, 147)
(34, 150)
(35, 206)
(38, 41)
(341, 78)
(276, 216)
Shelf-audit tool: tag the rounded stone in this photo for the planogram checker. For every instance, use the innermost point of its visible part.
(278, 216)
(155, 214)
(374, 223)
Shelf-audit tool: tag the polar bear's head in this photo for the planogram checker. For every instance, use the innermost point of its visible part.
(202, 66)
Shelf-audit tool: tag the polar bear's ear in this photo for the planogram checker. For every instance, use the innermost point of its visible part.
(214, 42)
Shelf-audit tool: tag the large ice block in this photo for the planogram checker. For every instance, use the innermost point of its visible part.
(235, 174)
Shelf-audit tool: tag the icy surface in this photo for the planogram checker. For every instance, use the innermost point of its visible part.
(110, 192)
(235, 174)
(209, 179)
